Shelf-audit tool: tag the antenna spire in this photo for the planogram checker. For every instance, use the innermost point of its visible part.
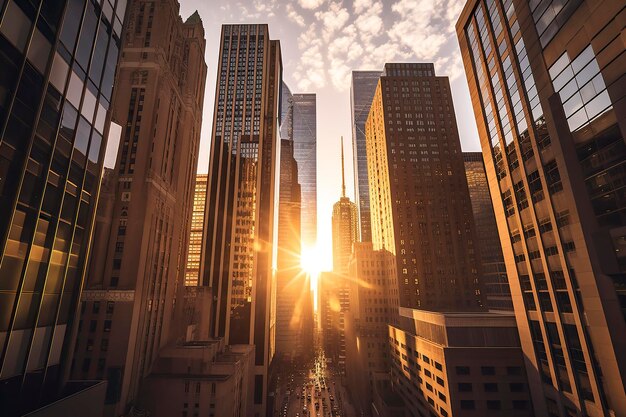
(343, 177)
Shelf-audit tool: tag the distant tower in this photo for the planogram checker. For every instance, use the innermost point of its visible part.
(344, 226)
(497, 295)
(141, 246)
(240, 247)
(361, 94)
(304, 115)
(192, 270)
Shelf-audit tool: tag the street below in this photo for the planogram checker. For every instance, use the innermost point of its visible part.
(313, 390)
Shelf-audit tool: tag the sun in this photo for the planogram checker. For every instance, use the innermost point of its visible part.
(310, 263)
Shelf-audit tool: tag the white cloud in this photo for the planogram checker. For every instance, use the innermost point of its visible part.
(311, 4)
(335, 41)
(332, 19)
(360, 6)
(294, 16)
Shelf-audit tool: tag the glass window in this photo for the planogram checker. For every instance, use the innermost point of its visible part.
(75, 90)
(39, 50)
(81, 142)
(16, 26)
(87, 34)
(71, 22)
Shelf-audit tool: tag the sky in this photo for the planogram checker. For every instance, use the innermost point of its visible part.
(322, 41)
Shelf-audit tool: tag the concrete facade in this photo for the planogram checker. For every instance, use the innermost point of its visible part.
(142, 232)
(459, 364)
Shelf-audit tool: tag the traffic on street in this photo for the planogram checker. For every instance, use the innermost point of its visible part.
(313, 391)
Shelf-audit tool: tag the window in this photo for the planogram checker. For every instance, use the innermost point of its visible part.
(467, 405)
(516, 387)
(462, 370)
(581, 88)
(553, 178)
(465, 387)
(107, 326)
(487, 370)
(95, 308)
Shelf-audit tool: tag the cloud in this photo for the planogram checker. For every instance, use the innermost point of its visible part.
(339, 36)
(332, 19)
(294, 16)
(311, 4)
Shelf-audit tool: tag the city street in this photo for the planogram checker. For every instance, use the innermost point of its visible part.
(314, 391)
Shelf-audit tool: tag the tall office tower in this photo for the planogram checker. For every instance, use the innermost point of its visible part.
(373, 305)
(362, 92)
(305, 152)
(194, 251)
(57, 64)
(299, 124)
(344, 222)
(130, 287)
(240, 248)
(421, 210)
(548, 86)
(495, 284)
(293, 288)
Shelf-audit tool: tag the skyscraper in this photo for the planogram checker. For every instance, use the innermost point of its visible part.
(294, 310)
(421, 210)
(373, 305)
(57, 65)
(496, 292)
(344, 226)
(131, 283)
(547, 82)
(362, 92)
(194, 251)
(305, 152)
(240, 248)
(299, 125)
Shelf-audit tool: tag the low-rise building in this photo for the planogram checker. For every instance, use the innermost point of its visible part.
(206, 378)
(459, 364)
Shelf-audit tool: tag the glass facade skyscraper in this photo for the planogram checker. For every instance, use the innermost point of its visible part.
(361, 95)
(57, 66)
(305, 151)
(547, 83)
(299, 125)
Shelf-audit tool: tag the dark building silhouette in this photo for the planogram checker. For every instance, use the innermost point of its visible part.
(548, 90)
(140, 246)
(497, 295)
(241, 221)
(57, 65)
(294, 309)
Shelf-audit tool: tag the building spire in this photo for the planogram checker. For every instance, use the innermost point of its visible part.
(343, 177)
